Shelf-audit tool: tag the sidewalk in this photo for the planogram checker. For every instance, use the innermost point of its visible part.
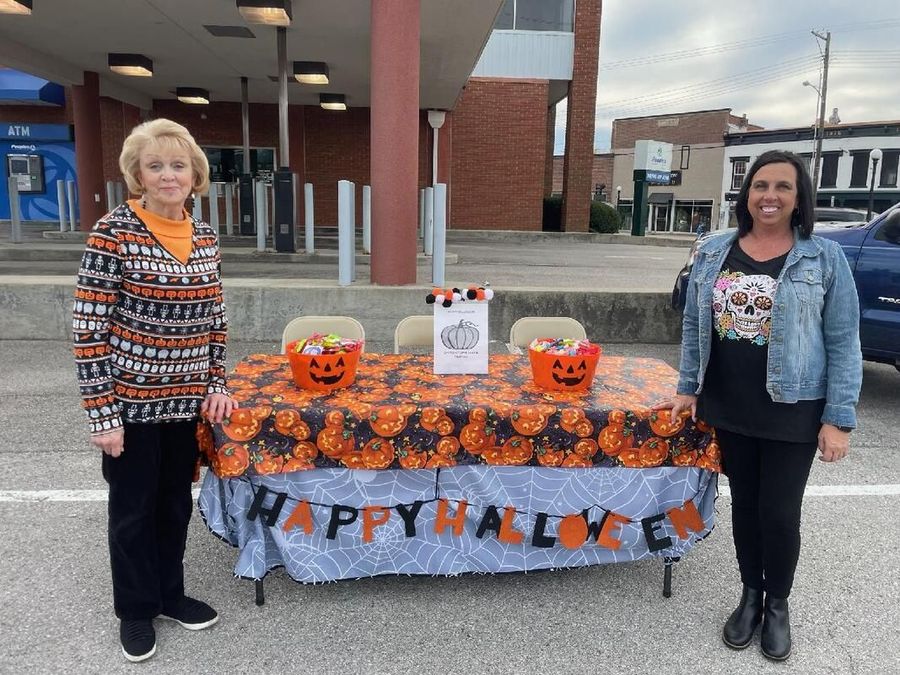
(618, 286)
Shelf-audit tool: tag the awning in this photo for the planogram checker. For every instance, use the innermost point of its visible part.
(22, 89)
(661, 198)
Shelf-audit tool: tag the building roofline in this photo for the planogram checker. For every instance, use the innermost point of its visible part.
(848, 125)
(674, 114)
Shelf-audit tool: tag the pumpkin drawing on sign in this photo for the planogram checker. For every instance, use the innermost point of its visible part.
(463, 335)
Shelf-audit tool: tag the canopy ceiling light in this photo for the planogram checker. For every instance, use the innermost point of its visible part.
(311, 72)
(333, 101)
(267, 12)
(135, 65)
(192, 95)
(15, 7)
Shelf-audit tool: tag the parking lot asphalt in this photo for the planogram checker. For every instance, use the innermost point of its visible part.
(56, 606)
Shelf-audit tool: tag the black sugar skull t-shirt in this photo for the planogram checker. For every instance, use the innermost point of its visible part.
(734, 395)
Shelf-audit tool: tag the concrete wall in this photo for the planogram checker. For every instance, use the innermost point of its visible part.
(39, 308)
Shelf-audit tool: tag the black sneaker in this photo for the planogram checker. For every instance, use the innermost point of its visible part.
(192, 614)
(138, 639)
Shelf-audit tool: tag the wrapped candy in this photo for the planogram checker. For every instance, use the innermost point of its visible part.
(320, 343)
(565, 346)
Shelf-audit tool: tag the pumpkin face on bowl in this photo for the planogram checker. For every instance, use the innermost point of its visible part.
(323, 372)
(570, 375)
(562, 372)
(326, 373)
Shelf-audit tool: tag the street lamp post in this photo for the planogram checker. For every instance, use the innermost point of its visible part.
(875, 156)
(618, 195)
(817, 134)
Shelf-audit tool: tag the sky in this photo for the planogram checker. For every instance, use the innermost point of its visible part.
(667, 57)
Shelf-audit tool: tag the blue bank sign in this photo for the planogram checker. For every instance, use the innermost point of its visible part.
(11, 131)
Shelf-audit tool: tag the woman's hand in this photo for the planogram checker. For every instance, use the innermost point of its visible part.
(833, 443)
(111, 443)
(216, 407)
(678, 405)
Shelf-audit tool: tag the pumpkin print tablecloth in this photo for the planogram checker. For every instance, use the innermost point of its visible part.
(400, 415)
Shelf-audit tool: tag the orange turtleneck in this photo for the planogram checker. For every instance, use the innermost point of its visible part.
(175, 235)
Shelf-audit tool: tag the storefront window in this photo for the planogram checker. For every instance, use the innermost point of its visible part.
(625, 208)
(660, 219)
(691, 215)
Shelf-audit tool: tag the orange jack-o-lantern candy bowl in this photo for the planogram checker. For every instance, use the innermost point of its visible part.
(562, 364)
(324, 362)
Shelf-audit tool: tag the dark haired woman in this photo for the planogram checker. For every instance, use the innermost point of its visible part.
(770, 357)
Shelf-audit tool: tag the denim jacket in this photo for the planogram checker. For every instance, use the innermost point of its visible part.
(813, 350)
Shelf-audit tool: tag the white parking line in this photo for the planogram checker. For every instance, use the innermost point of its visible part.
(888, 490)
(840, 490)
(60, 495)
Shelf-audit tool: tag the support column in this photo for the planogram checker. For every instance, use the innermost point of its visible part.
(579, 158)
(551, 144)
(445, 158)
(394, 140)
(297, 154)
(88, 150)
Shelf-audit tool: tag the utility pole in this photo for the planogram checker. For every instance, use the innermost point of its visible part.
(821, 121)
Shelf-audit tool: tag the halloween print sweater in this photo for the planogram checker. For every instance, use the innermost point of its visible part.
(149, 330)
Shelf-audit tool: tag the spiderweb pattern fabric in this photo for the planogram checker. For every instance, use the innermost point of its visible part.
(313, 558)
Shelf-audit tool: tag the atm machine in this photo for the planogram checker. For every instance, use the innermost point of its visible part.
(28, 170)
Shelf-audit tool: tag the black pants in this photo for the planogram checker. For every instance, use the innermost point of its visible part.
(149, 510)
(767, 480)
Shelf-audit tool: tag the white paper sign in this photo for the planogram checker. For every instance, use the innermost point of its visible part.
(461, 338)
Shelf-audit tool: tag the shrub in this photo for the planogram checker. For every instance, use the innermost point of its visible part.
(604, 218)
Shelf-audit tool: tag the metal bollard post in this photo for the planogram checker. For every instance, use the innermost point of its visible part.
(308, 219)
(120, 192)
(353, 230)
(438, 260)
(428, 235)
(367, 218)
(197, 211)
(229, 209)
(214, 207)
(15, 214)
(70, 199)
(345, 233)
(61, 201)
(110, 195)
(262, 226)
(421, 213)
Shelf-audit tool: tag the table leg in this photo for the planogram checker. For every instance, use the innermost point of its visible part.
(260, 594)
(667, 576)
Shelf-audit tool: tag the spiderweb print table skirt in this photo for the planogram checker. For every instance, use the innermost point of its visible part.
(314, 524)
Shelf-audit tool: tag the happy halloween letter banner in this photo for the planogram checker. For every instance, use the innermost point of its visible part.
(571, 532)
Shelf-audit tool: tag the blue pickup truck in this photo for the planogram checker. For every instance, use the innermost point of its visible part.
(873, 251)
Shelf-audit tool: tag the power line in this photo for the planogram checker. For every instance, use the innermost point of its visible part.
(720, 85)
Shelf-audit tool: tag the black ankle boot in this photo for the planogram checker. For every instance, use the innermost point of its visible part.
(776, 630)
(742, 623)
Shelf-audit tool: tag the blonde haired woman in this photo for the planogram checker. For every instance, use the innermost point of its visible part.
(149, 340)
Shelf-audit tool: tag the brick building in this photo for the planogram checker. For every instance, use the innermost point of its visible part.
(498, 68)
(698, 154)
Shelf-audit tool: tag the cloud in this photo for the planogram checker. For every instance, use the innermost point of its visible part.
(752, 58)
